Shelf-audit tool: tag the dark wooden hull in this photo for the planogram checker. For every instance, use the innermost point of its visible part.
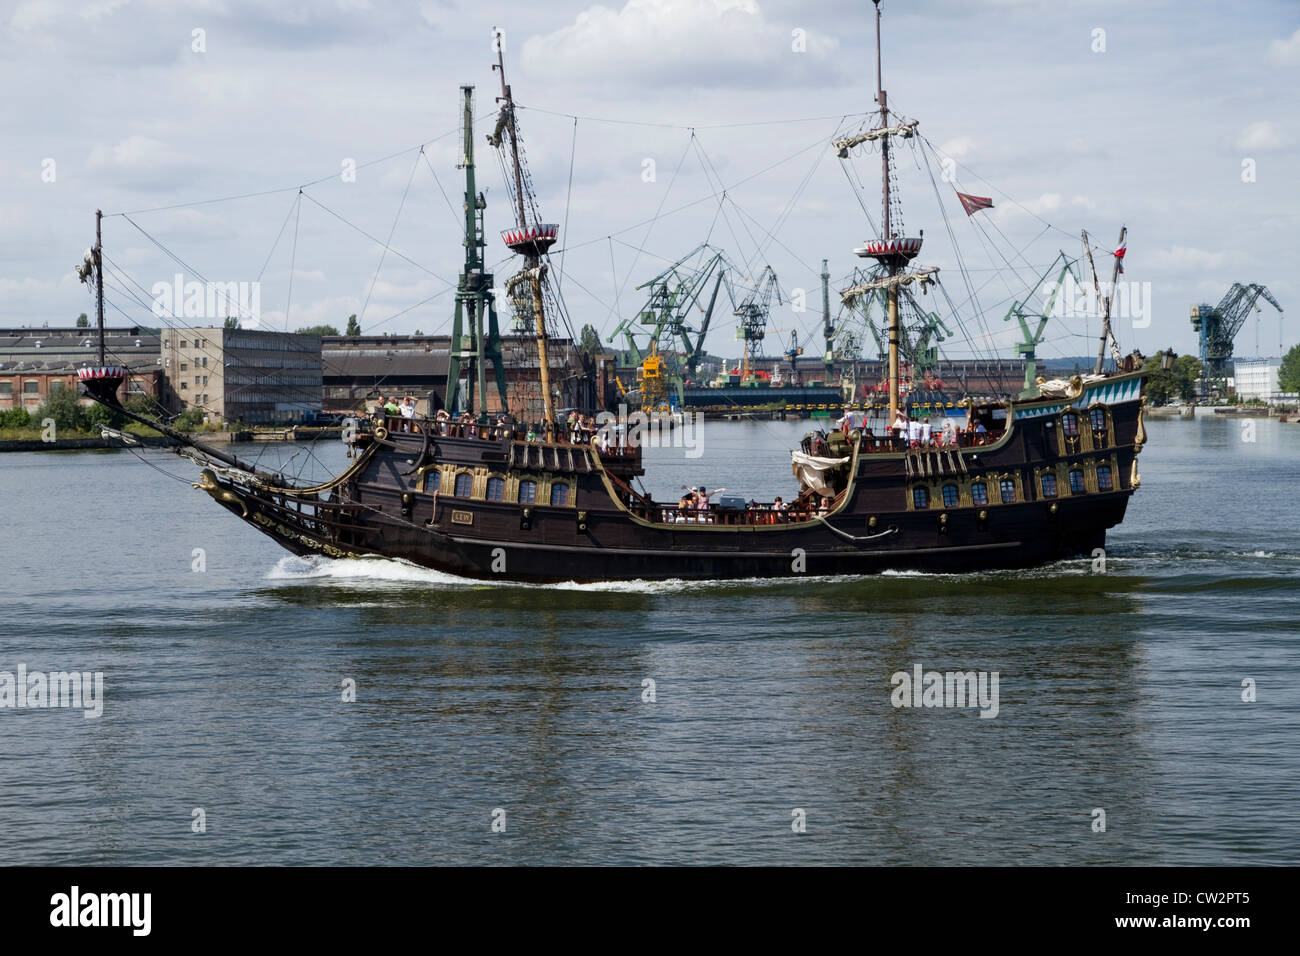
(381, 506)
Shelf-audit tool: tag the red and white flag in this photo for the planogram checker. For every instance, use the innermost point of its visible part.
(1119, 254)
(973, 204)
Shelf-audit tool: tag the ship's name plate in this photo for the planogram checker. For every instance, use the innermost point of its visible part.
(462, 517)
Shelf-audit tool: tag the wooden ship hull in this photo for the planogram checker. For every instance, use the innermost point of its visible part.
(399, 500)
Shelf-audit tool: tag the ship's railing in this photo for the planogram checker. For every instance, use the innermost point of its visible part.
(895, 443)
(760, 514)
(581, 437)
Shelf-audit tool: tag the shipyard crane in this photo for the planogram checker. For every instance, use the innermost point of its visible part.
(475, 337)
(828, 327)
(919, 331)
(662, 332)
(793, 353)
(1034, 336)
(753, 312)
(1218, 325)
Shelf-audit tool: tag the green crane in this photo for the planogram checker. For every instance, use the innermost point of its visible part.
(753, 312)
(919, 331)
(663, 327)
(475, 339)
(1033, 338)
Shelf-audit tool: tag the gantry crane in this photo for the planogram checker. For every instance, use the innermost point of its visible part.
(1218, 325)
(664, 326)
(1034, 337)
(753, 312)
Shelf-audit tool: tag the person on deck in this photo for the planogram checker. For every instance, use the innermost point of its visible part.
(898, 431)
(390, 407)
(914, 433)
(926, 432)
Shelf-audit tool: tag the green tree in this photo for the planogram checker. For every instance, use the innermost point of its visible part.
(65, 408)
(231, 322)
(145, 405)
(1187, 372)
(591, 343)
(354, 327)
(1178, 382)
(98, 414)
(15, 418)
(1160, 382)
(318, 330)
(83, 321)
(190, 419)
(1288, 376)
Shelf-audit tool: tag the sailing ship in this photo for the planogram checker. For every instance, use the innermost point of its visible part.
(1034, 479)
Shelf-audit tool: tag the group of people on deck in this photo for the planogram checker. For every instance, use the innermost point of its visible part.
(694, 507)
(576, 429)
(918, 432)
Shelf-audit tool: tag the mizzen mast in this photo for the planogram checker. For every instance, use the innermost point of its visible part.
(892, 250)
(530, 238)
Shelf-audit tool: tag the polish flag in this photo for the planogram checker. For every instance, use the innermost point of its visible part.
(1119, 254)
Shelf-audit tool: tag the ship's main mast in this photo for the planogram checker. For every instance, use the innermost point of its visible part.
(891, 251)
(529, 239)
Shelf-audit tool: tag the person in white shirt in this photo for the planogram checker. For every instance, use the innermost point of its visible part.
(926, 432)
(914, 432)
(408, 407)
(949, 432)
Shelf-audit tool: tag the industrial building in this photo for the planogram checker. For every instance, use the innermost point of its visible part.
(1257, 379)
(357, 368)
(35, 363)
(244, 376)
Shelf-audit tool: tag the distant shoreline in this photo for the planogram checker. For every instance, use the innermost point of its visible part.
(78, 444)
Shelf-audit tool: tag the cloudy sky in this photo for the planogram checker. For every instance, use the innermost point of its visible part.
(696, 119)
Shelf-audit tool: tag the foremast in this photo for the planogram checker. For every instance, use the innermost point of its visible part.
(892, 250)
(530, 238)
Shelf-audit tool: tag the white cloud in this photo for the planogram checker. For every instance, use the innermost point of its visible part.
(141, 161)
(717, 43)
(960, 149)
(23, 286)
(1186, 258)
(1286, 52)
(1263, 135)
(28, 17)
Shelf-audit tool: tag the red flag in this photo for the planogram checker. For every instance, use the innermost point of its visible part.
(1119, 254)
(973, 204)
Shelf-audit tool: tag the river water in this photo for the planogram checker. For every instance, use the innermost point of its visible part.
(508, 724)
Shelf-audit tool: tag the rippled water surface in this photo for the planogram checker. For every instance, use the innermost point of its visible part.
(1119, 691)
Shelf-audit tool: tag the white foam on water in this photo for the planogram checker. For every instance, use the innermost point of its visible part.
(395, 571)
(367, 570)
